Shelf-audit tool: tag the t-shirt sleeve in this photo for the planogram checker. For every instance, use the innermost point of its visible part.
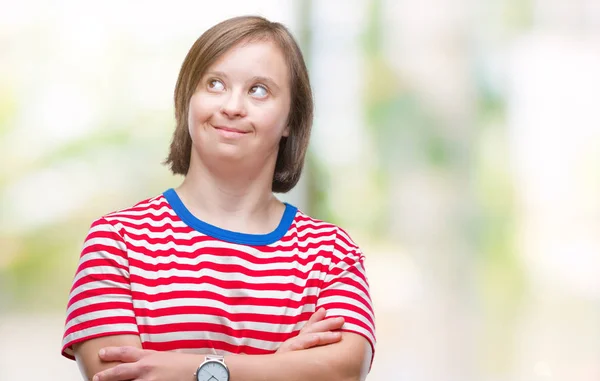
(100, 302)
(345, 291)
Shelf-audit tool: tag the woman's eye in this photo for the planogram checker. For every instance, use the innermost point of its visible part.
(215, 84)
(258, 91)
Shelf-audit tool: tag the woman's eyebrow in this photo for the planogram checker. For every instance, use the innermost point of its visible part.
(215, 74)
(266, 80)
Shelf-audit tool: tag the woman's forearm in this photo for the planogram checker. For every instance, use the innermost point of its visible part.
(347, 360)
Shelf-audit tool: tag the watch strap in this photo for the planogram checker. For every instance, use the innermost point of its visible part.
(215, 357)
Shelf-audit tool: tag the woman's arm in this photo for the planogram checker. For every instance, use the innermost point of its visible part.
(347, 360)
(88, 360)
(318, 331)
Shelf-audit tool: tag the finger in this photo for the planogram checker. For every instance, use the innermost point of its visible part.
(122, 372)
(315, 339)
(317, 316)
(330, 324)
(122, 354)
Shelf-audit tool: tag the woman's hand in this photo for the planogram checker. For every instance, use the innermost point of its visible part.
(317, 331)
(138, 364)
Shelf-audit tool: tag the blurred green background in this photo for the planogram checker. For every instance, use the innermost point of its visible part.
(458, 142)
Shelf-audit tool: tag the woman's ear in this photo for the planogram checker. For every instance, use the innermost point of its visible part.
(286, 131)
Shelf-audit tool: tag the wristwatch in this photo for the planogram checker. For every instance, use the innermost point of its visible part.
(212, 369)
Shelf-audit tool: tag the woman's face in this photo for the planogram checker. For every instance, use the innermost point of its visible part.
(240, 108)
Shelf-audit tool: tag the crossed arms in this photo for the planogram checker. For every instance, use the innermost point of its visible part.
(318, 353)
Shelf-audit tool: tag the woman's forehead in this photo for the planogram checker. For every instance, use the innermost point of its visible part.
(250, 59)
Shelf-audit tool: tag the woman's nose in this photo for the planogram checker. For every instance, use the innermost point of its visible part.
(233, 105)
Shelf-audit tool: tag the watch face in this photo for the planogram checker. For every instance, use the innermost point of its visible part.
(213, 371)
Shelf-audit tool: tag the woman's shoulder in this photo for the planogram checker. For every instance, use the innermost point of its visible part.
(340, 236)
(153, 208)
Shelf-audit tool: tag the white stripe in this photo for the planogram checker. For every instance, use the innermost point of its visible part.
(104, 228)
(308, 226)
(108, 329)
(166, 232)
(346, 273)
(231, 261)
(103, 298)
(143, 212)
(154, 223)
(341, 299)
(200, 318)
(307, 220)
(347, 313)
(155, 201)
(346, 252)
(226, 276)
(215, 243)
(95, 315)
(239, 308)
(104, 254)
(104, 241)
(357, 328)
(101, 270)
(232, 293)
(212, 336)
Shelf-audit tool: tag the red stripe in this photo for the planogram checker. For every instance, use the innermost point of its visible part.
(353, 308)
(106, 278)
(226, 284)
(234, 317)
(346, 294)
(112, 305)
(69, 344)
(330, 286)
(203, 344)
(108, 234)
(217, 328)
(99, 292)
(157, 229)
(104, 262)
(142, 206)
(231, 267)
(98, 248)
(345, 237)
(165, 215)
(323, 239)
(224, 268)
(228, 300)
(113, 320)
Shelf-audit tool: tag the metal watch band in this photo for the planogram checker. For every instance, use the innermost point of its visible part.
(215, 357)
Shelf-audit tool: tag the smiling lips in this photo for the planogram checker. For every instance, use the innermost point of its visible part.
(230, 132)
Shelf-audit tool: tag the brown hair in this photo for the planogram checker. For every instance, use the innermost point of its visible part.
(211, 45)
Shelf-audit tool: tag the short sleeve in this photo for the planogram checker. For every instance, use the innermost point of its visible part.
(345, 291)
(100, 302)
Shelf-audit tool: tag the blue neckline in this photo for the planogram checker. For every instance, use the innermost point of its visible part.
(227, 235)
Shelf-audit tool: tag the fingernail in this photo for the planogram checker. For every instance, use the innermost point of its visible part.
(96, 378)
(101, 353)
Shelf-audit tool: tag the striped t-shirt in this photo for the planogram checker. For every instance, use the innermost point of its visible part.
(156, 271)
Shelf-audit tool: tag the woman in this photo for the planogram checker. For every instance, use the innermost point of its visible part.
(218, 279)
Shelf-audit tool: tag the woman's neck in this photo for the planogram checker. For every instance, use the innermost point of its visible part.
(235, 198)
